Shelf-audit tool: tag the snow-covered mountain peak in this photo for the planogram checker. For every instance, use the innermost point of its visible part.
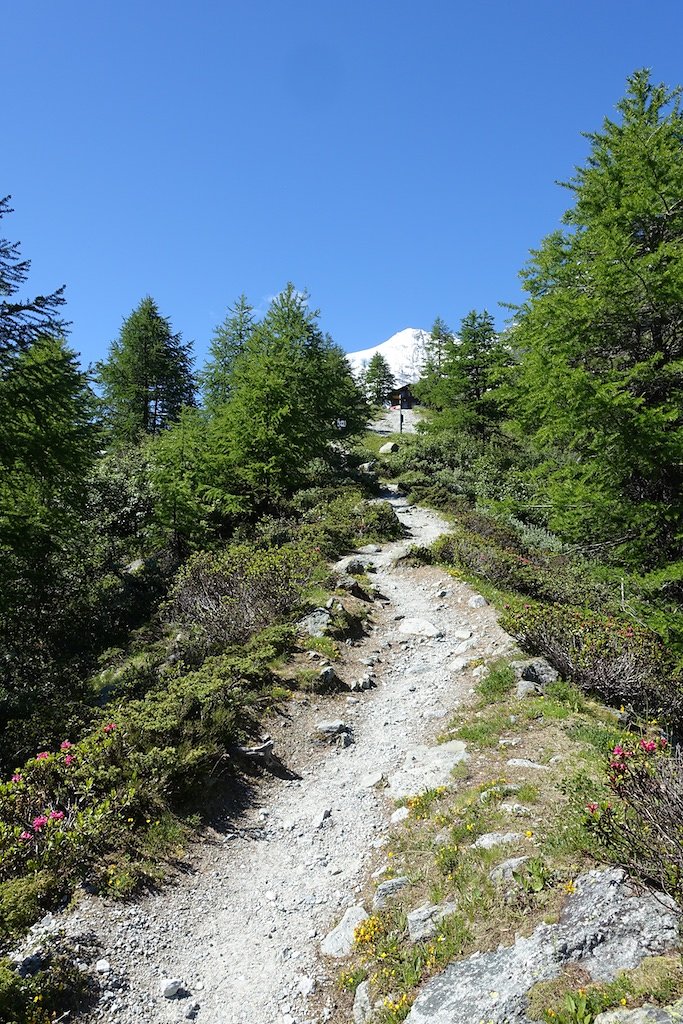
(405, 352)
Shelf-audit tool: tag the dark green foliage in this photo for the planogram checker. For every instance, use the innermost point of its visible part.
(292, 395)
(466, 391)
(601, 337)
(378, 380)
(428, 388)
(23, 322)
(229, 341)
(147, 377)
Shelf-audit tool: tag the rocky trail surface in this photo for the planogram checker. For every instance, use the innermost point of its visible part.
(239, 935)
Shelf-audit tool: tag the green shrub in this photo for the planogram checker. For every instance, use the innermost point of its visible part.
(228, 596)
(22, 900)
(619, 661)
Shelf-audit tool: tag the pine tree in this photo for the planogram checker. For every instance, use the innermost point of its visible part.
(601, 335)
(292, 394)
(466, 393)
(428, 387)
(147, 377)
(379, 380)
(23, 322)
(228, 342)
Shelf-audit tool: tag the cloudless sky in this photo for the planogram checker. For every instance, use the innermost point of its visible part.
(398, 159)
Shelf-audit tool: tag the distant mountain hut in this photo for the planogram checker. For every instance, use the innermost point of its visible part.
(403, 397)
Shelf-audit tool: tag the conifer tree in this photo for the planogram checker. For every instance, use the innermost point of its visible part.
(379, 380)
(292, 394)
(23, 321)
(601, 335)
(228, 342)
(428, 387)
(147, 377)
(466, 392)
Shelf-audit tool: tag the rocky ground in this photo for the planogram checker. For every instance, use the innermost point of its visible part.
(251, 931)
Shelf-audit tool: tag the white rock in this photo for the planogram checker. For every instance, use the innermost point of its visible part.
(477, 601)
(372, 780)
(170, 987)
(362, 1007)
(523, 762)
(103, 967)
(399, 815)
(492, 839)
(339, 942)
(426, 768)
(419, 627)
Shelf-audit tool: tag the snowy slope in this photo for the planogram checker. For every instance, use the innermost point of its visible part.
(405, 353)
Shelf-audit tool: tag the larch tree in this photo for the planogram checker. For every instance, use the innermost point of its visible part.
(147, 377)
(229, 341)
(379, 380)
(601, 334)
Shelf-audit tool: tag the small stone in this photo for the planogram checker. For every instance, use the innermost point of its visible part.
(389, 448)
(321, 816)
(362, 1007)
(386, 889)
(305, 986)
(170, 987)
(491, 839)
(373, 780)
(103, 967)
(423, 922)
(523, 762)
(504, 872)
(419, 627)
(339, 942)
(399, 815)
(477, 601)
(332, 727)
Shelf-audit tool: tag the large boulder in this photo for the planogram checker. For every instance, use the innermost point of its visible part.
(605, 927)
(317, 623)
(426, 768)
(339, 942)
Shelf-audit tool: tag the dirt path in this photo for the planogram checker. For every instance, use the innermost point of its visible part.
(242, 930)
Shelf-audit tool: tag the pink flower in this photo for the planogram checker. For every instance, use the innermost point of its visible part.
(110, 727)
(25, 836)
(39, 822)
(648, 745)
(43, 755)
(592, 807)
(16, 777)
(618, 751)
(69, 759)
(662, 741)
(66, 745)
(56, 815)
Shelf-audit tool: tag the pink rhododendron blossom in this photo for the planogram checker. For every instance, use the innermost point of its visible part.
(16, 777)
(39, 822)
(66, 745)
(69, 759)
(42, 755)
(110, 727)
(56, 815)
(26, 836)
(648, 745)
(592, 807)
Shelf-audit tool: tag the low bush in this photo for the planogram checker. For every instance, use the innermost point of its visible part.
(228, 596)
(615, 659)
(641, 826)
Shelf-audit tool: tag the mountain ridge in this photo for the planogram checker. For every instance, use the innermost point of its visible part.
(405, 352)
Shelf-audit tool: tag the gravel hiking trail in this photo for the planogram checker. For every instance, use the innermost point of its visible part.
(241, 928)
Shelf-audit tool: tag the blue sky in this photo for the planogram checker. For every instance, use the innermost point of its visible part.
(398, 159)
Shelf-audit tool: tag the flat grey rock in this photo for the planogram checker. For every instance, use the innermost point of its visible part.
(339, 942)
(386, 889)
(424, 921)
(605, 927)
(419, 627)
(426, 768)
(362, 1007)
(317, 623)
(643, 1015)
(505, 872)
(477, 601)
(491, 839)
